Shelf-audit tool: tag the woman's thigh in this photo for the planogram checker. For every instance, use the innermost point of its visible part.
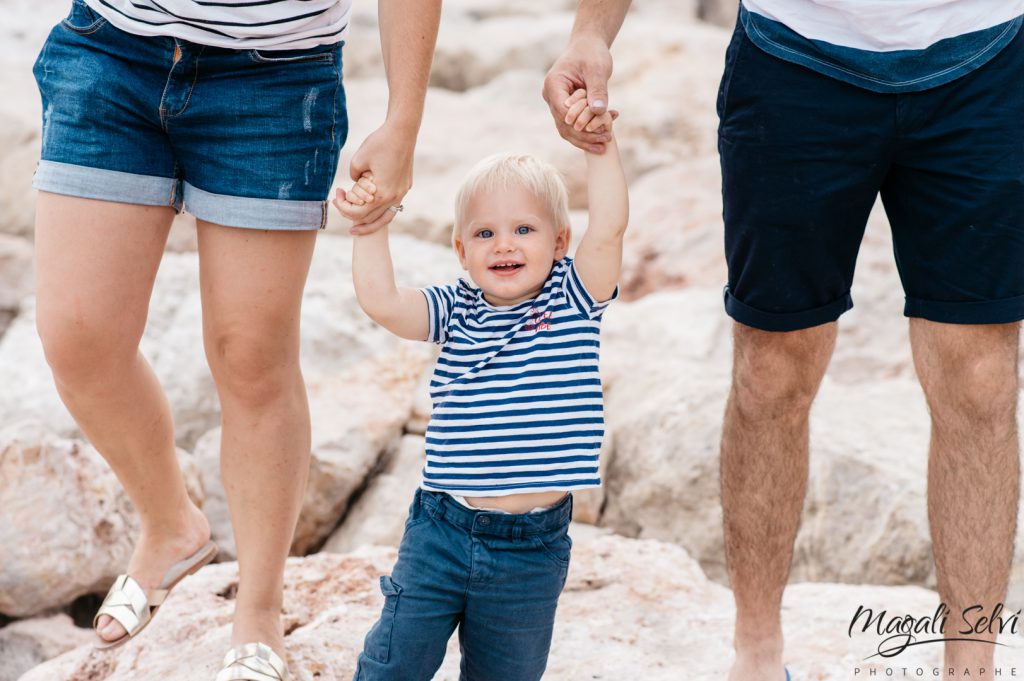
(96, 262)
(251, 282)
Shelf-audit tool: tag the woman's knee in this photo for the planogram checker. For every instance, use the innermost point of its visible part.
(81, 348)
(251, 369)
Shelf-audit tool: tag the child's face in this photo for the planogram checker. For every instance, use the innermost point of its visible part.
(509, 243)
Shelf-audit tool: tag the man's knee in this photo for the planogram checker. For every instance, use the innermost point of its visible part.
(777, 374)
(968, 374)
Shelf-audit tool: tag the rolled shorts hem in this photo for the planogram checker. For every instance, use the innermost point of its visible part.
(255, 213)
(107, 185)
(1002, 311)
(785, 321)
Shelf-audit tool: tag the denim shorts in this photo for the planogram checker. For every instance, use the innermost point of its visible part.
(804, 157)
(244, 138)
(494, 576)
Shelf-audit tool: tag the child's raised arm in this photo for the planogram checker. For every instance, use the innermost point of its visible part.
(599, 256)
(400, 310)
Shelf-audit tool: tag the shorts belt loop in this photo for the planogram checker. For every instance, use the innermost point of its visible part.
(517, 530)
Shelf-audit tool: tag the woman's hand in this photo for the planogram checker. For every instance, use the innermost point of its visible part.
(385, 157)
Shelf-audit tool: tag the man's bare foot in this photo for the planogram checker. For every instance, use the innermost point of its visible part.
(155, 554)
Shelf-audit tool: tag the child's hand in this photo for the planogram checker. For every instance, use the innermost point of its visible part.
(361, 193)
(582, 118)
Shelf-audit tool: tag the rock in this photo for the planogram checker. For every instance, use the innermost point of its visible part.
(68, 527)
(378, 515)
(336, 335)
(357, 416)
(16, 280)
(665, 420)
(471, 115)
(629, 607)
(720, 12)
(28, 643)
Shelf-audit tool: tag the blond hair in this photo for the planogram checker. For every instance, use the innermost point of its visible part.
(505, 171)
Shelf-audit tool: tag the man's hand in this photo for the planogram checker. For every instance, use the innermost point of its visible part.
(586, 64)
(383, 162)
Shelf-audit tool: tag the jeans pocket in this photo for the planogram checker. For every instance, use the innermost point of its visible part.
(557, 549)
(378, 641)
(312, 54)
(83, 19)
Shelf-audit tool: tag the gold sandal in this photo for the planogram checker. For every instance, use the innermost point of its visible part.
(133, 607)
(253, 662)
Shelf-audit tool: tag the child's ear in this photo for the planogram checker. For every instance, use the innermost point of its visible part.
(562, 240)
(460, 251)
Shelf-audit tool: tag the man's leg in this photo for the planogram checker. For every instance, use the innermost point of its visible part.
(969, 376)
(764, 478)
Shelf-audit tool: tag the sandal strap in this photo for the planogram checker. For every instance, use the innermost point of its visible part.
(253, 662)
(127, 603)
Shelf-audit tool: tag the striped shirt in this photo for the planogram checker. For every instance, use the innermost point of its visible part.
(517, 403)
(234, 24)
(885, 46)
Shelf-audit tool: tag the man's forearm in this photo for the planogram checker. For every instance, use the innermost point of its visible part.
(408, 33)
(600, 17)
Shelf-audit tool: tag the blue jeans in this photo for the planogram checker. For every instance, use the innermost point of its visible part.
(495, 576)
(244, 138)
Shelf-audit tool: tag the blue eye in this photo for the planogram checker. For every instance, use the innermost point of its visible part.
(523, 229)
(485, 234)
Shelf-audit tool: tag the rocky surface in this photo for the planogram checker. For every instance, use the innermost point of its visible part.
(28, 643)
(66, 524)
(628, 605)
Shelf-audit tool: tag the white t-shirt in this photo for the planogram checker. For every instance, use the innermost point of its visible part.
(235, 24)
(886, 25)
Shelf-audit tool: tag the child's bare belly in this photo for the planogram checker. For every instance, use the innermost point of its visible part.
(518, 503)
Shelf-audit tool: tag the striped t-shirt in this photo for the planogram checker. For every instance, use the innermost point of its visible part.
(886, 46)
(235, 24)
(517, 403)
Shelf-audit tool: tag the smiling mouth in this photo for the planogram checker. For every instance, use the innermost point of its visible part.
(506, 267)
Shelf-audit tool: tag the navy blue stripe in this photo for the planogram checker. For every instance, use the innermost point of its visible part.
(517, 376)
(540, 345)
(517, 437)
(511, 426)
(462, 392)
(511, 474)
(513, 400)
(518, 450)
(563, 484)
(552, 333)
(506, 462)
(527, 362)
(513, 413)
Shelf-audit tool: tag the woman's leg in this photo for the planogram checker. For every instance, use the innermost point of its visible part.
(95, 266)
(252, 282)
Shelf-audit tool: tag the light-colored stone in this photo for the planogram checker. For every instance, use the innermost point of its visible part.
(66, 524)
(630, 608)
(16, 279)
(336, 335)
(28, 643)
(720, 12)
(357, 416)
(378, 515)
(666, 391)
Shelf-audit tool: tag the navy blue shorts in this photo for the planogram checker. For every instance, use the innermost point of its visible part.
(244, 138)
(804, 157)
